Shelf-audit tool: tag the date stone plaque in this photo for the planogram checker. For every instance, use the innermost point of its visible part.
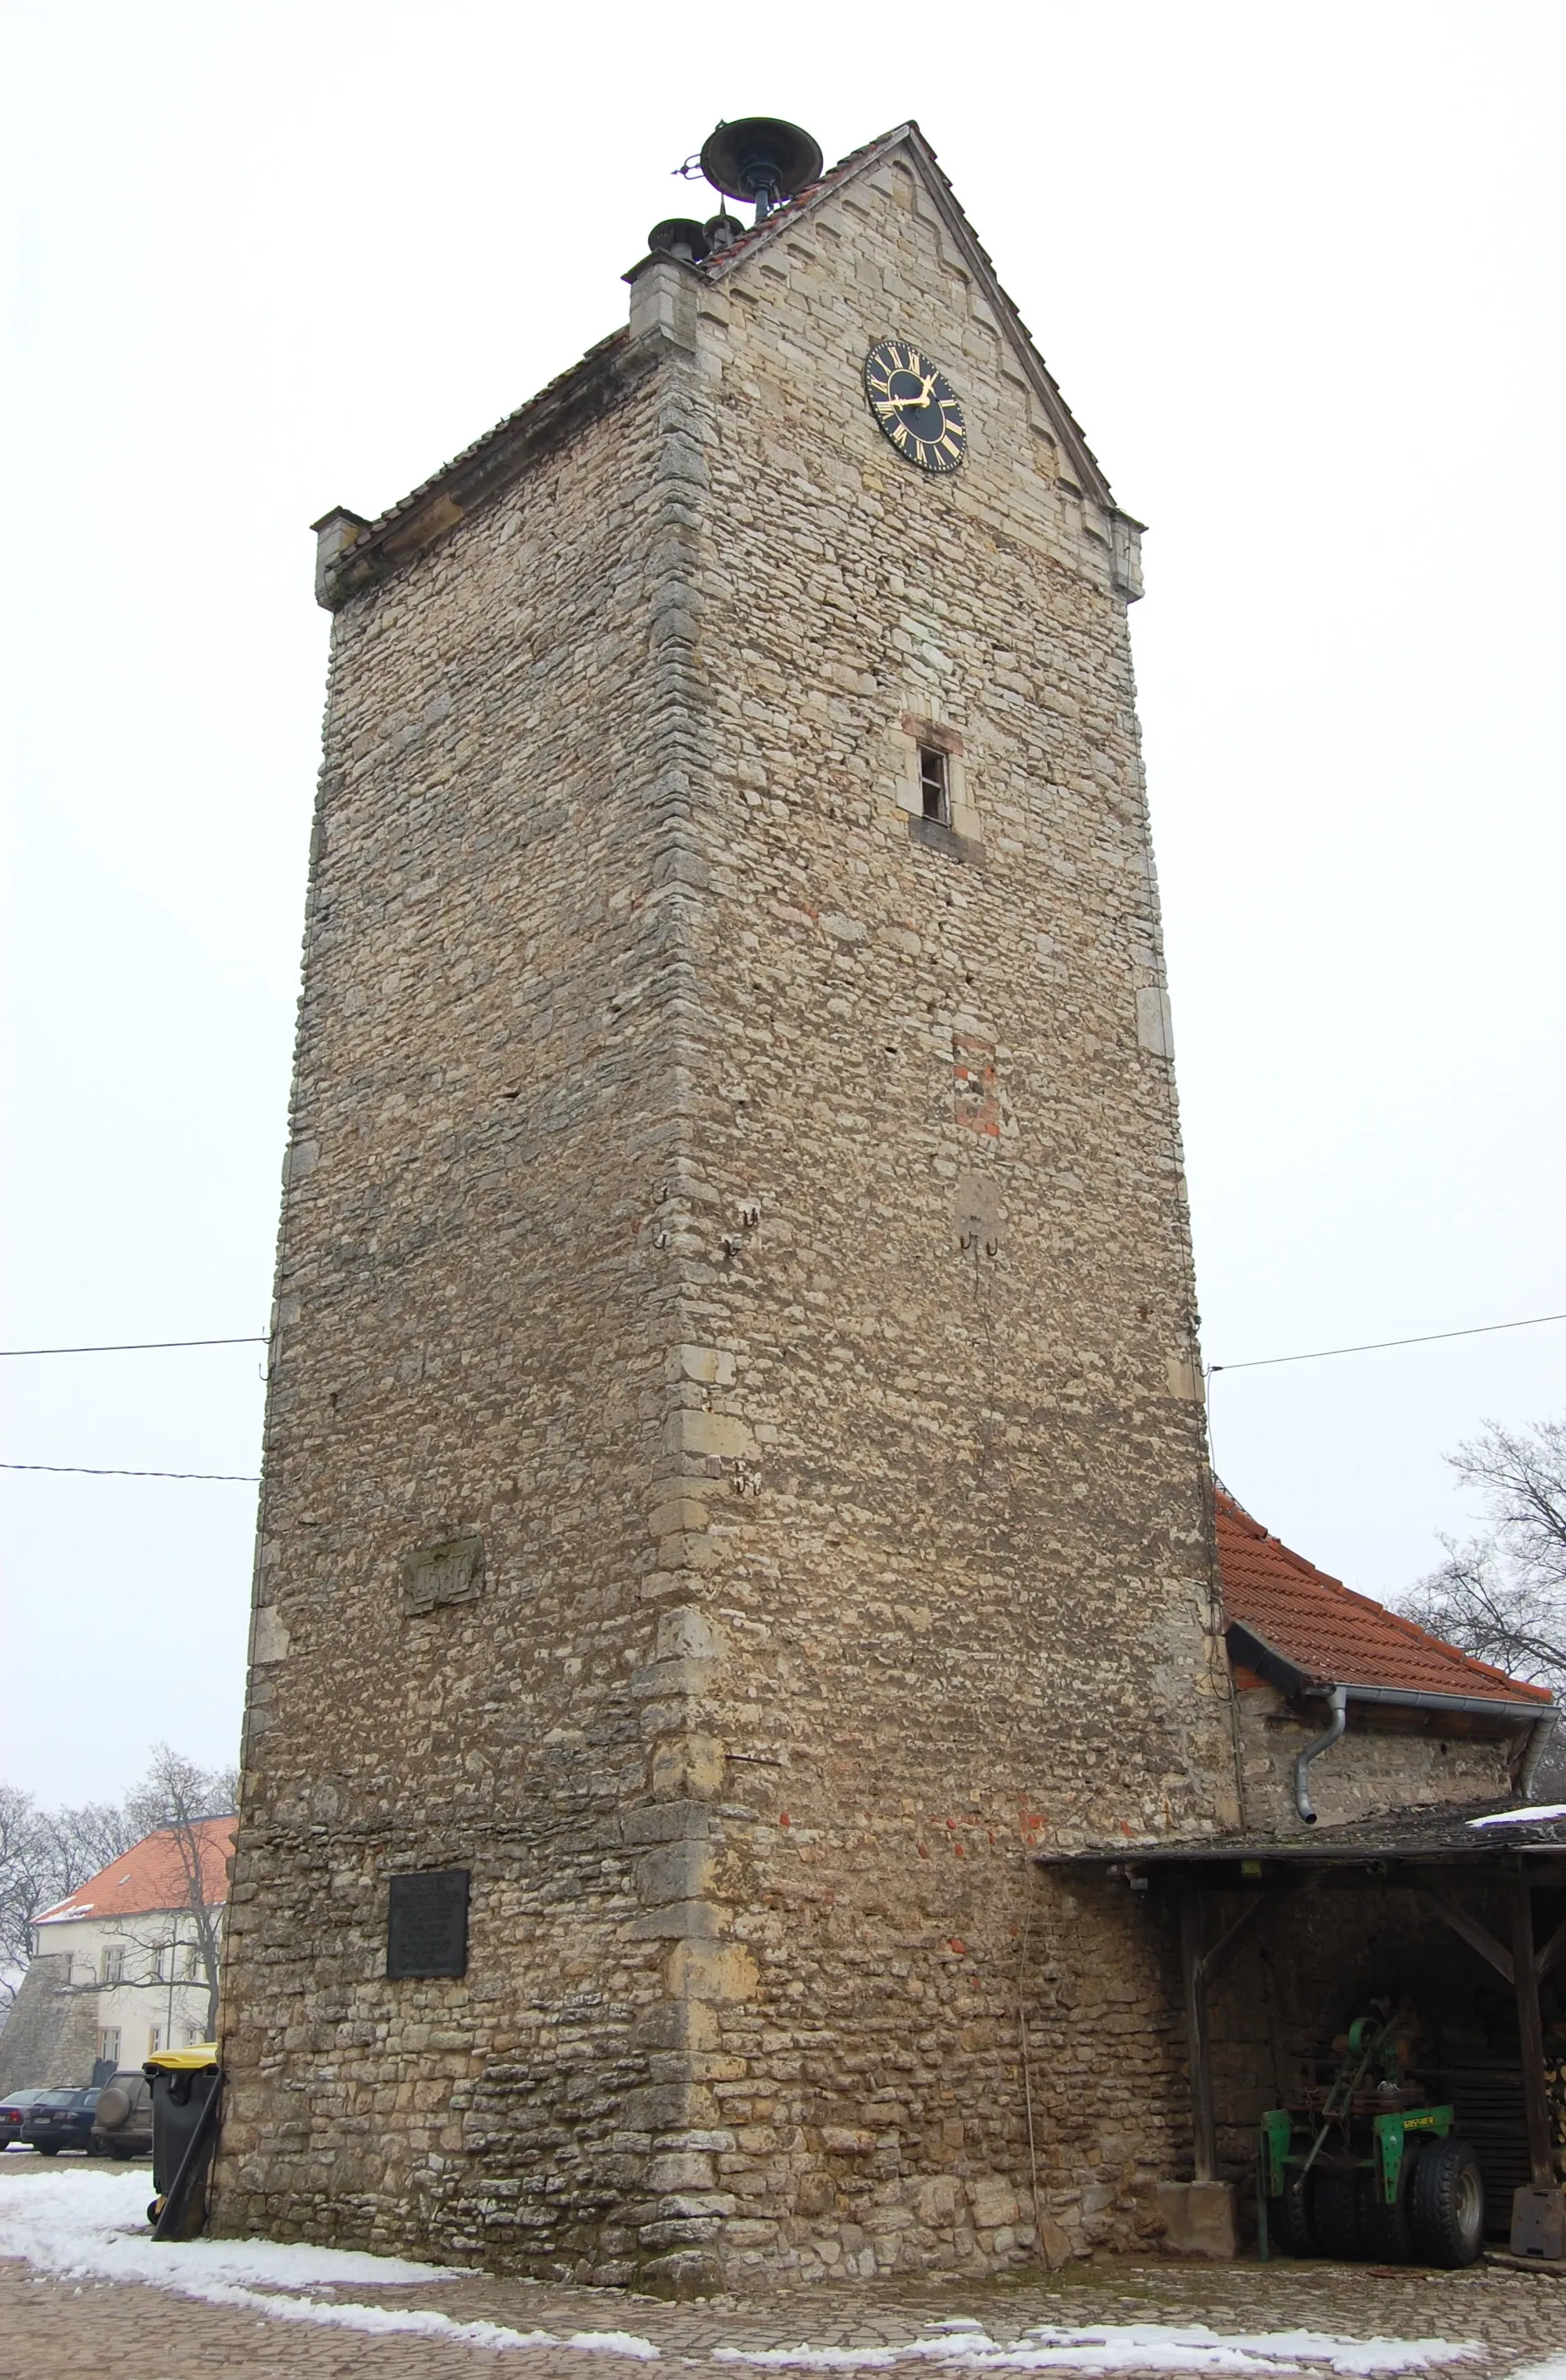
(427, 1924)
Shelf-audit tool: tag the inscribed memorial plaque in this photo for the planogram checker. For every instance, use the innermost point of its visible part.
(427, 1924)
(450, 1573)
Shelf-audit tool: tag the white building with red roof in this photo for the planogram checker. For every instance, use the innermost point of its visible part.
(125, 1965)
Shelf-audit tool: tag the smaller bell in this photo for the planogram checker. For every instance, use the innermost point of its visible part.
(679, 235)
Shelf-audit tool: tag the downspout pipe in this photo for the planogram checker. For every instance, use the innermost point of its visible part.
(1338, 1703)
(1538, 1738)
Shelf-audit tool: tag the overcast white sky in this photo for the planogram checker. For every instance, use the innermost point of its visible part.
(1298, 271)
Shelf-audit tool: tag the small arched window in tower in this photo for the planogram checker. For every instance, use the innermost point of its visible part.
(934, 784)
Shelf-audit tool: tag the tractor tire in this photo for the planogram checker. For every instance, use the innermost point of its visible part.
(1386, 2232)
(1446, 2206)
(1334, 2205)
(1289, 2221)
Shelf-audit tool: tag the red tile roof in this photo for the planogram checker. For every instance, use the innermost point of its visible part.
(1335, 1637)
(152, 1877)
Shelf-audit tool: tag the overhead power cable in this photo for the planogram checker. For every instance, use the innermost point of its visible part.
(1374, 1346)
(252, 1478)
(97, 1471)
(138, 1346)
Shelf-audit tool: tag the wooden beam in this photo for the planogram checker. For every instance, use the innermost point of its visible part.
(1214, 1961)
(1535, 2093)
(1478, 1937)
(1545, 1958)
(1197, 2045)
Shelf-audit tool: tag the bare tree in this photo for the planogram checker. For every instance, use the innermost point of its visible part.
(85, 1840)
(178, 1795)
(1502, 1594)
(27, 1881)
(45, 1854)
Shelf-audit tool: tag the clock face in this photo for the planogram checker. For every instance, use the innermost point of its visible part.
(916, 406)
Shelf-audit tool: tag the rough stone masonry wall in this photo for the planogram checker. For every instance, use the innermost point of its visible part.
(763, 1229)
(472, 1342)
(51, 2032)
(942, 1487)
(1385, 1761)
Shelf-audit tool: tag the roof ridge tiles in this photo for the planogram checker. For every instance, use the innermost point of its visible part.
(477, 470)
(511, 420)
(958, 226)
(799, 199)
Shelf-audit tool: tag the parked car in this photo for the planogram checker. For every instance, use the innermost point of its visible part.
(60, 2119)
(122, 2123)
(14, 2110)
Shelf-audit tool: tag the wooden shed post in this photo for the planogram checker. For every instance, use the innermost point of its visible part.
(1197, 2042)
(1530, 2030)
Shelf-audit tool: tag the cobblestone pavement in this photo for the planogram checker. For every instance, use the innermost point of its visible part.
(59, 2330)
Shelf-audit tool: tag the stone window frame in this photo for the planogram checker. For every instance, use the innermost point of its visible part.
(960, 834)
(935, 784)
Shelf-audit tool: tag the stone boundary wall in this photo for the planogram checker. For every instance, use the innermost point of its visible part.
(51, 2034)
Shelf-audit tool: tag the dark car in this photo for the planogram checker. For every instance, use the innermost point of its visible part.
(122, 2124)
(15, 2110)
(60, 2119)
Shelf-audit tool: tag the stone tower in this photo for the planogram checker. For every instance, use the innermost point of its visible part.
(735, 1479)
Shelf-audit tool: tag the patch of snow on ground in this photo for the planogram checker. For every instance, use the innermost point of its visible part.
(77, 2226)
(1533, 1813)
(381, 2321)
(1127, 2346)
(92, 2227)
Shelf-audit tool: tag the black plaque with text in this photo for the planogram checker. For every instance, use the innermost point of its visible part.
(427, 1924)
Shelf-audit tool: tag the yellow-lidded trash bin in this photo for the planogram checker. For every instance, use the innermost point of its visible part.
(187, 2089)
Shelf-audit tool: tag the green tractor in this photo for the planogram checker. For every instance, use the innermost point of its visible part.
(1369, 2173)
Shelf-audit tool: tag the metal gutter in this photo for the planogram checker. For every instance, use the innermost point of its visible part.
(1290, 1678)
(1403, 1698)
